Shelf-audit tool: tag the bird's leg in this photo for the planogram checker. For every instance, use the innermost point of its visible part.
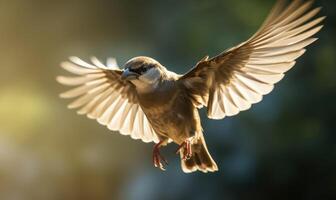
(186, 146)
(157, 157)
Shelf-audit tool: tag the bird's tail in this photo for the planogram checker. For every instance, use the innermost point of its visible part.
(200, 159)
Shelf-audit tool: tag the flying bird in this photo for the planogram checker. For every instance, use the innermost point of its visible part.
(147, 101)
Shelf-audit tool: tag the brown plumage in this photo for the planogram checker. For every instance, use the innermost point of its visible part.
(148, 102)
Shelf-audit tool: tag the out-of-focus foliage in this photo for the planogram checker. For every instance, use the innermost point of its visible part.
(282, 148)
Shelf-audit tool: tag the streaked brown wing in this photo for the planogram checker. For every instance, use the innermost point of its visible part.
(235, 79)
(100, 94)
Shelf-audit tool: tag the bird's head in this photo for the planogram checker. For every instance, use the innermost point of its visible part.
(143, 72)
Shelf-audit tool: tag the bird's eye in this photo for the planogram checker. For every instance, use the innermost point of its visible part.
(139, 70)
(143, 70)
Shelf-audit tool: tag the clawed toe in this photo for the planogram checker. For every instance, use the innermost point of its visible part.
(158, 158)
(158, 161)
(186, 147)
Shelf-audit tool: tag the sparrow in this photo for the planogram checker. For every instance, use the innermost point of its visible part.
(147, 101)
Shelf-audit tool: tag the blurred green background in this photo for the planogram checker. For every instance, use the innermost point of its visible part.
(282, 148)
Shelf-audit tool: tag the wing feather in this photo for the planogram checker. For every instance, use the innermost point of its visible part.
(100, 94)
(240, 76)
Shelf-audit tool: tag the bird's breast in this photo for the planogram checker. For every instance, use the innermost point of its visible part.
(170, 113)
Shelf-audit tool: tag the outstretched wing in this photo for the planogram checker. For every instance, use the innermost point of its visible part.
(100, 94)
(235, 79)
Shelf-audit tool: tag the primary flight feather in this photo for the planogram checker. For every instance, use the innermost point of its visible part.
(149, 102)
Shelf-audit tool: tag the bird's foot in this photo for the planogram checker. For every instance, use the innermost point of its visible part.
(158, 158)
(186, 147)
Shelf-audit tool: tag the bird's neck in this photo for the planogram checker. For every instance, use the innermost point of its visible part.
(143, 87)
(159, 97)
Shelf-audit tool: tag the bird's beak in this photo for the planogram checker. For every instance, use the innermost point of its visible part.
(128, 75)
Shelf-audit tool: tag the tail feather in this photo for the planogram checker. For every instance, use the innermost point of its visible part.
(200, 159)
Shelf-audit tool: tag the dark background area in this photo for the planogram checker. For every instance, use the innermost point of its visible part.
(282, 148)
